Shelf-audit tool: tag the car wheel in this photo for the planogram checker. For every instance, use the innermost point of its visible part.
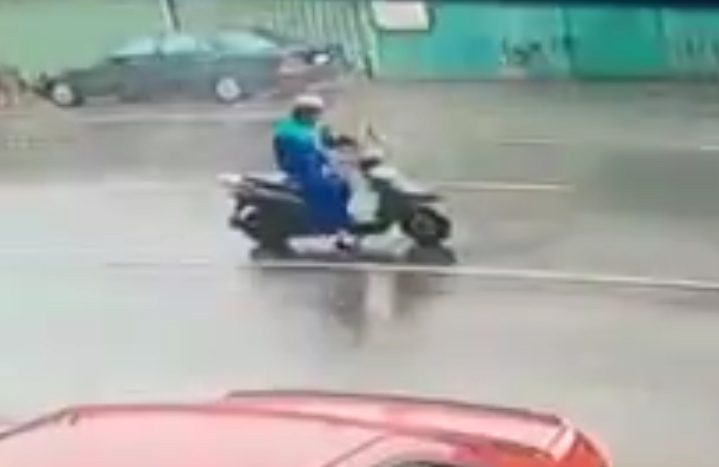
(64, 94)
(228, 90)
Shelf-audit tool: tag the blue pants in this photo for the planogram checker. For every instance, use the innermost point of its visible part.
(327, 200)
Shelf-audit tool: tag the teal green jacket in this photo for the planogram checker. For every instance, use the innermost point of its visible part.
(299, 150)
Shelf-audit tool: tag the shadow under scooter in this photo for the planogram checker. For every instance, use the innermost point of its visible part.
(415, 255)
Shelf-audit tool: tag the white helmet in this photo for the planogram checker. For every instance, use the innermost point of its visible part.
(309, 101)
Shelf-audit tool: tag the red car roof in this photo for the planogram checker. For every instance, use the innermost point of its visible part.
(179, 436)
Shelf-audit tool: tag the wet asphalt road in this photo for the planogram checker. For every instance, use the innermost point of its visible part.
(120, 281)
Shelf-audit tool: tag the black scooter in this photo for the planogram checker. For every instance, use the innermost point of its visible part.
(270, 210)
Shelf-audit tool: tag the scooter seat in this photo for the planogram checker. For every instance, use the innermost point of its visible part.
(416, 192)
(273, 181)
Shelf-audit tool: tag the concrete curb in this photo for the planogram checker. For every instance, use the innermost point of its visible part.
(537, 275)
(547, 276)
(468, 185)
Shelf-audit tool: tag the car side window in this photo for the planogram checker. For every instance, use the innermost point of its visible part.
(136, 49)
(183, 45)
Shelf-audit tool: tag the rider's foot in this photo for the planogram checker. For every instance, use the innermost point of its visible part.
(346, 242)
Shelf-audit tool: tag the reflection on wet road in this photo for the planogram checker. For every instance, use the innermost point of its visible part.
(119, 280)
(636, 367)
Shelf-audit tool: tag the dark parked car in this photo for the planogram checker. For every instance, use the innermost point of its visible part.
(229, 66)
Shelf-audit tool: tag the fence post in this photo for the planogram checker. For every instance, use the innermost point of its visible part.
(172, 18)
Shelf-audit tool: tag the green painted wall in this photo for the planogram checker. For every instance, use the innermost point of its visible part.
(616, 42)
(543, 41)
(469, 41)
(533, 41)
(692, 42)
(40, 35)
(462, 43)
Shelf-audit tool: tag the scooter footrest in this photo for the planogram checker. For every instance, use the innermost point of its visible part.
(368, 228)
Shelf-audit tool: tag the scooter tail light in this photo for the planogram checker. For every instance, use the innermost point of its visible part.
(230, 181)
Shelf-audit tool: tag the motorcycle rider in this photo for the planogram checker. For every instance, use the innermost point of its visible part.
(301, 145)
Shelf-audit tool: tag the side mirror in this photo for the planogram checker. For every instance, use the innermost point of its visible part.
(372, 135)
(367, 131)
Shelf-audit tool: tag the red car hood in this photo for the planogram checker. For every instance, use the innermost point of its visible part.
(6, 424)
(520, 428)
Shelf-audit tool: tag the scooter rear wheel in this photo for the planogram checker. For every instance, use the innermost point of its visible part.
(265, 252)
(258, 224)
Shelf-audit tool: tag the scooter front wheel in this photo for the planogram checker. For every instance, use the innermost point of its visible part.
(426, 227)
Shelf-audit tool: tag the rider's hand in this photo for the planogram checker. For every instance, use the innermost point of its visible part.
(344, 141)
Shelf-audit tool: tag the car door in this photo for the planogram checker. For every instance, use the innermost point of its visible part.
(105, 78)
(143, 77)
(134, 70)
(186, 65)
